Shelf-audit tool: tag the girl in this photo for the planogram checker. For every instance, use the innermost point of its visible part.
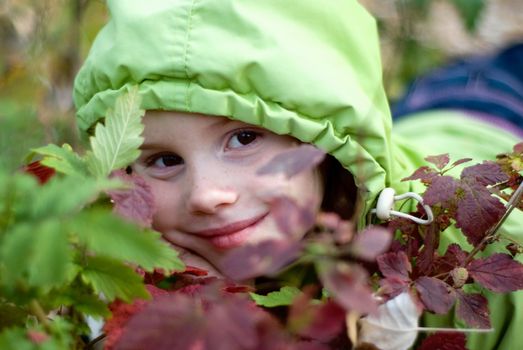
(229, 84)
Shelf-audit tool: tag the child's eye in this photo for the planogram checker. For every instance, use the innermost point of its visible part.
(242, 138)
(164, 161)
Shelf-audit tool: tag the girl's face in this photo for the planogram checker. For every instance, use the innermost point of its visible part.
(202, 172)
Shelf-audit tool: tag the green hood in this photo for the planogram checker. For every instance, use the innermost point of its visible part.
(307, 68)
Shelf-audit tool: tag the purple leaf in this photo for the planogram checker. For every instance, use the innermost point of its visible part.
(348, 284)
(393, 286)
(440, 161)
(518, 148)
(135, 204)
(371, 242)
(264, 258)
(290, 218)
(473, 309)
(444, 341)
(316, 321)
(487, 173)
(424, 173)
(461, 161)
(425, 262)
(441, 190)
(293, 162)
(499, 273)
(436, 295)
(477, 211)
(220, 322)
(395, 265)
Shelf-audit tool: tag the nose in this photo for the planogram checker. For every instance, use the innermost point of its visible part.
(208, 194)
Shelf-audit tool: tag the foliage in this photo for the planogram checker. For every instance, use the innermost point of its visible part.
(62, 249)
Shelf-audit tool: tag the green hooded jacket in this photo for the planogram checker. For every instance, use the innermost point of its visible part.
(307, 68)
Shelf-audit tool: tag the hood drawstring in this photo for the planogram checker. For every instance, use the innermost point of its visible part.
(386, 201)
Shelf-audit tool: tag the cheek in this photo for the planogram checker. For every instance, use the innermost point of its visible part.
(166, 202)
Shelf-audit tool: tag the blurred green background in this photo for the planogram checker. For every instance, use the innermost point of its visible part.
(43, 43)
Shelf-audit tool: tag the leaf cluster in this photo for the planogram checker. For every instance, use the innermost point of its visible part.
(438, 278)
(62, 250)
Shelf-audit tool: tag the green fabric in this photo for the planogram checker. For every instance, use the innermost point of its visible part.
(307, 68)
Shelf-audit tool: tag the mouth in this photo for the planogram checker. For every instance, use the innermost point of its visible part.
(231, 235)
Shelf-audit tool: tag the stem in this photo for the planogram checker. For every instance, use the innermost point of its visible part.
(38, 311)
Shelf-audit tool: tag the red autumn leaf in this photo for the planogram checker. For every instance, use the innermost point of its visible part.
(290, 218)
(221, 322)
(320, 322)
(461, 161)
(348, 284)
(393, 286)
(498, 273)
(424, 173)
(441, 190)
(264, 258)
(444, 341)
(371, 242)
(440, 161)
(135, 204)
(473, 309)
(37, 337)
(395, 265)
(41, 172)
(518, 148)
(486, 173)
(454, 257)
(436, 295)
(293, 162)
(477, 211)
(121, 313)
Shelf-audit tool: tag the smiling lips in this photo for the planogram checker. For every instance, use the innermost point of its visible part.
(232, 235)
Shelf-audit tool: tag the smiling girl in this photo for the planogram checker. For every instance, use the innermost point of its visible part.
(229, 84)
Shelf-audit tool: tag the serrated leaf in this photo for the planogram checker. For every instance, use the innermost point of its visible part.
(436, 295)
(285, 296)
(104, 234)
(441, 190)
(424, 173)
(440, 161)
(135, 204)
(395, 265)
(486, 173)
(293, 162)
(348, 285)
(264, 258)
(444, 341)
(113, 279)
(61, 196)
(371, 242)
(394, 326)
(38, 254)
(82, 301)
(499, 273)
(477, 211)
(473, 309)
(63, 159)
(115, 144)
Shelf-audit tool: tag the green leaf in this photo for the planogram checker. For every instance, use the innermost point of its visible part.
(113, 279)
(115, 144)
(83, 301)
(105, 234)
(63, 159)
(16, 339)
(61, 196)
(38, 255)
(285, 296)
(470, 11)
